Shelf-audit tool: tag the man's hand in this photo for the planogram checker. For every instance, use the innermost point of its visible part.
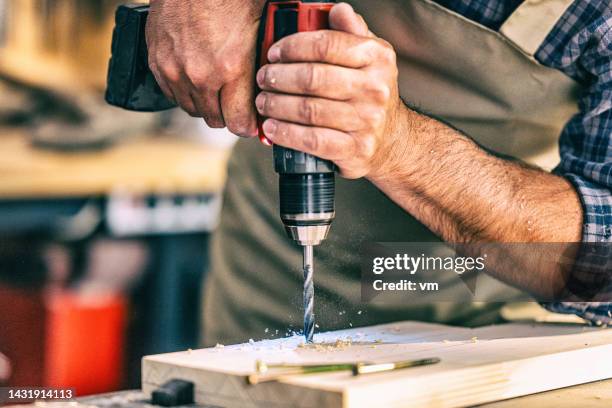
(334, 94)
(202, 55)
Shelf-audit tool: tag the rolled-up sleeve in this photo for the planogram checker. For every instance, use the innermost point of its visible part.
(586, 161)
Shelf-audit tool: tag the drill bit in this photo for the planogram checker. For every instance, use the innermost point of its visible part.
(308, 294)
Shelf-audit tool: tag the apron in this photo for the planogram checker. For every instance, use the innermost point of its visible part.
(485, 83)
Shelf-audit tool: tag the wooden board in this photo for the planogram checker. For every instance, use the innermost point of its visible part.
(478, 365)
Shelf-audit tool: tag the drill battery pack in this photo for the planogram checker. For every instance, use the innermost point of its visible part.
(130, 83)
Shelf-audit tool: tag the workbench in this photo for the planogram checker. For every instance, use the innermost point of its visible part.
(592, 395)
(42, 191)
(139, 165)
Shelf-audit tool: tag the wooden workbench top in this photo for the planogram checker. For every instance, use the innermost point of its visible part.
(138, 165)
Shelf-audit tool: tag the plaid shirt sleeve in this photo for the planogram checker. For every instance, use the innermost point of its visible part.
(581, 46)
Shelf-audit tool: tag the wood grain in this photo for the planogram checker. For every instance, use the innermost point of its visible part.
(478, 366)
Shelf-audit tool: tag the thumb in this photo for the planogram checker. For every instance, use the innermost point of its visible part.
(342, 17)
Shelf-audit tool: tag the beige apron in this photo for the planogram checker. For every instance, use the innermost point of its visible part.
(485, 83)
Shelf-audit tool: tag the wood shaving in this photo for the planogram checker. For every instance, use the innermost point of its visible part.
(339, 344)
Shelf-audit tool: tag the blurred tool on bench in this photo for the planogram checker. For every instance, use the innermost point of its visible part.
(104, 215)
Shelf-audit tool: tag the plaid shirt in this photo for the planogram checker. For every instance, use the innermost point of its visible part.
(580, 45)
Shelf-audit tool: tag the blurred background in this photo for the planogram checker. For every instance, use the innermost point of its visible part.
(104, 214)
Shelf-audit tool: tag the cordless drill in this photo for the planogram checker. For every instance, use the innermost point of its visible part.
(306, 183)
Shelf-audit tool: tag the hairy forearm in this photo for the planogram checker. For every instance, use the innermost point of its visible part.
(466, 195)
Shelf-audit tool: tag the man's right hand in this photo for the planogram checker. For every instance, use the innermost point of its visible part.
(202, 53)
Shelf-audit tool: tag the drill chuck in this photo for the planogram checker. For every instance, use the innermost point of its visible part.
(306, 183)
(307, 191)
(307, 206)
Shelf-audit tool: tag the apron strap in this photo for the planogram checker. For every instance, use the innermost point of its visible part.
(531, 22)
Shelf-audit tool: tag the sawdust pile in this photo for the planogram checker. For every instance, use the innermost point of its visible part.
(339, 344)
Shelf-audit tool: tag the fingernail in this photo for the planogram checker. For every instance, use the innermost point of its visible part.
(261, 76)
(274, 54)
(260, 102)
(269, 127)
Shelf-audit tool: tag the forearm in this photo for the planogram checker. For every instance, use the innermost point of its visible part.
(466, 195)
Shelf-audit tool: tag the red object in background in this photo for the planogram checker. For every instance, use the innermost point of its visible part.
(85, 338)
(22, 334)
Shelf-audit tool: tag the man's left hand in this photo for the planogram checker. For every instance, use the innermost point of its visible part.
(334, 94)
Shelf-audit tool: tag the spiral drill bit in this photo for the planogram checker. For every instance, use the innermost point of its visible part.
(308, 294)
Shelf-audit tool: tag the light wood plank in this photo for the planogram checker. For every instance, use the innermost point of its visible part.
(478, 366)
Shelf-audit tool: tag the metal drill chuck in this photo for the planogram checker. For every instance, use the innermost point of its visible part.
(307, 195)
(307, 206)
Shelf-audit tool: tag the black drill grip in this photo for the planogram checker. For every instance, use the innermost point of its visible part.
(130, 83)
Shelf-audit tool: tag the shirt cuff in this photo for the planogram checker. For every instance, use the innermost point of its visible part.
(597, 313)
(592, 266)
(597, 205)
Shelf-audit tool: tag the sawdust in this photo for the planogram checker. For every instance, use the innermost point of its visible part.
(339, 344)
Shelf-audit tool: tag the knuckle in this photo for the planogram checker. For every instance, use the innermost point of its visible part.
(380, 92)
(370, 48)
(374, 117)
(388, 51)
(197, 77)
(311, 140)
(170, 73)
(311, 78)
(368, 146)
(309, 111)
(323, 46)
